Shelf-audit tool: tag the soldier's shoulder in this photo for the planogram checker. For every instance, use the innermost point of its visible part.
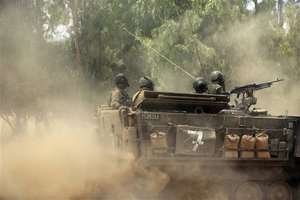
(212, 86)
(115, 92)
(218, 86)
(116, 89)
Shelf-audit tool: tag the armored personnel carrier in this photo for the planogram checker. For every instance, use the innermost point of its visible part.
(253, 155)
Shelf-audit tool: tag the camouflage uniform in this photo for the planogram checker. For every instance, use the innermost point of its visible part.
(145, 83)
(215, 88)
(217, 85)
(118, 98)
(138, 98)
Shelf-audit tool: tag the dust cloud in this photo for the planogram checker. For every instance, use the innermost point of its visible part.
(70, 162)
(49, 146)
(251, 66)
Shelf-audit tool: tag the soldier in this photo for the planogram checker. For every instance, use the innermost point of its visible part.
(118, 96)
(145, 83)
(200, 85)
(218, 83)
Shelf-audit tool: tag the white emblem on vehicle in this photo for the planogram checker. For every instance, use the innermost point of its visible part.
(197, 138)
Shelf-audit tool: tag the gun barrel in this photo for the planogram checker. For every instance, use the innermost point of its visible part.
(253, 87)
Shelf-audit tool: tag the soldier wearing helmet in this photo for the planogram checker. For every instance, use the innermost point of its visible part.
(145, 83)
(118, 96)
(200, 85)
(218, 83)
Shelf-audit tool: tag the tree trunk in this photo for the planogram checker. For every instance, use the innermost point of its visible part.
(280, 13)
(73, 7)
(255, 6)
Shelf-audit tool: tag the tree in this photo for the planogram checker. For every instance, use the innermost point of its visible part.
(73, 6)
(26, 62)
(285, 45)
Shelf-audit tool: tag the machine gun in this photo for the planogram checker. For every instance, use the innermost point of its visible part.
(247, 91)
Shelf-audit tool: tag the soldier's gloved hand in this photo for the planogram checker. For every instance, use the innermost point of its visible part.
(127, 102)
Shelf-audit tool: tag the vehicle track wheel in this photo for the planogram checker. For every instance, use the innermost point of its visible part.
(280, 191)
(248, 191)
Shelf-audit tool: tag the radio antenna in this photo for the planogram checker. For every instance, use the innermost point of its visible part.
(161, 55)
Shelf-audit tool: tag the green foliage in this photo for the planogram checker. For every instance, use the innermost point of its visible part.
(106, 48)
(197, 35)
(285, 44)
(176, 41)
(29, 72)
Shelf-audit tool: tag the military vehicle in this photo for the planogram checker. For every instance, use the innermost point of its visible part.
(201, 131)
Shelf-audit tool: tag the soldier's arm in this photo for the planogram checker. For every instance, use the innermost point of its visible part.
(219, 90)
(115, 99)
(125, 99)
(127, 102)
(136, 99)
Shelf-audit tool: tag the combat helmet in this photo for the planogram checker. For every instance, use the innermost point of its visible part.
(146, 82)
(121, 81)
(217, 76)
(200, 85)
